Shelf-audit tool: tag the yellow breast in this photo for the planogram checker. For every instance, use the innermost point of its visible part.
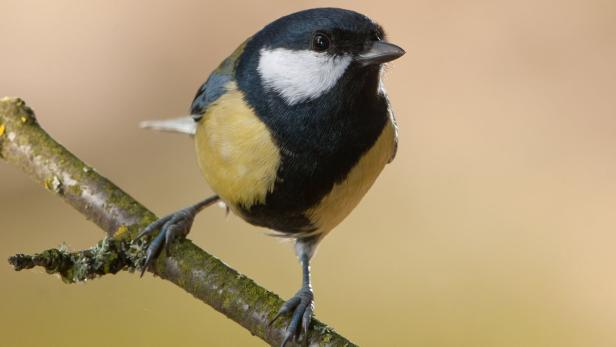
(239, 160)
(235, 151)
(343, 198)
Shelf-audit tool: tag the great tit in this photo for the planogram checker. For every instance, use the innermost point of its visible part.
(291, 130)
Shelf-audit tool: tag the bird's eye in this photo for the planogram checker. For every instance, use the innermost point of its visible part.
(320, 42)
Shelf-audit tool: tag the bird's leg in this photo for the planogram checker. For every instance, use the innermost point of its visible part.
(301, 305)
(171, 227)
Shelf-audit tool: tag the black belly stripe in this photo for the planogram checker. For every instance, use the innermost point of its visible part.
(305, 177)
(320, 141)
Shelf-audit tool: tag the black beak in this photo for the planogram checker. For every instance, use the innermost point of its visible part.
(380, 52)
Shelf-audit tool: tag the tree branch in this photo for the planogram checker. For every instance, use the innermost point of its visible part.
(26, 145)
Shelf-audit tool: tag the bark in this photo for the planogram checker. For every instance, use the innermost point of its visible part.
(26, 145)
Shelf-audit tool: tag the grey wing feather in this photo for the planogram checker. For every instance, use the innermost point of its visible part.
(215, 85)
(211, 90)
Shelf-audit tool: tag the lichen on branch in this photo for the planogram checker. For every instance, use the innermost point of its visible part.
(108, 256)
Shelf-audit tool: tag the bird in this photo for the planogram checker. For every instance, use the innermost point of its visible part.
(291, 131)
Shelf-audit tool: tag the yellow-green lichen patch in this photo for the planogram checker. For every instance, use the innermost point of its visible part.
(53, 184)
(327, 338)
(121, 231)
(74, 189)
(2, 129)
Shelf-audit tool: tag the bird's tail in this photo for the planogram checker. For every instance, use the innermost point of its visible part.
(184, 125)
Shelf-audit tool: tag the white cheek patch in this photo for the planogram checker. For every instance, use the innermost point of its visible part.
(300, 76)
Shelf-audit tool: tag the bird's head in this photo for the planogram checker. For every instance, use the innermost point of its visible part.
(303, 56)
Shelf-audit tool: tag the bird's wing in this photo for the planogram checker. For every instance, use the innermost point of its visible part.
(215, 86)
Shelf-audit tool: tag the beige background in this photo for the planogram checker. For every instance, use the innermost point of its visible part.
(495, 226)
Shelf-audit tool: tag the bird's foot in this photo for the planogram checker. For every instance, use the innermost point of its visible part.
(301, 306)
(173, 226)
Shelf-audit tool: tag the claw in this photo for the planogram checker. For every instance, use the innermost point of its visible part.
(301, 306)
(287, 336)
(296, 320)
(274, 319)
(170, 235)
(286, 308)
(153, 226)
(152, 251)
(171, 227)
(307, 318)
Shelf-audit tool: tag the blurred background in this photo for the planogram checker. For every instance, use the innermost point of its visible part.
(495, 226)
